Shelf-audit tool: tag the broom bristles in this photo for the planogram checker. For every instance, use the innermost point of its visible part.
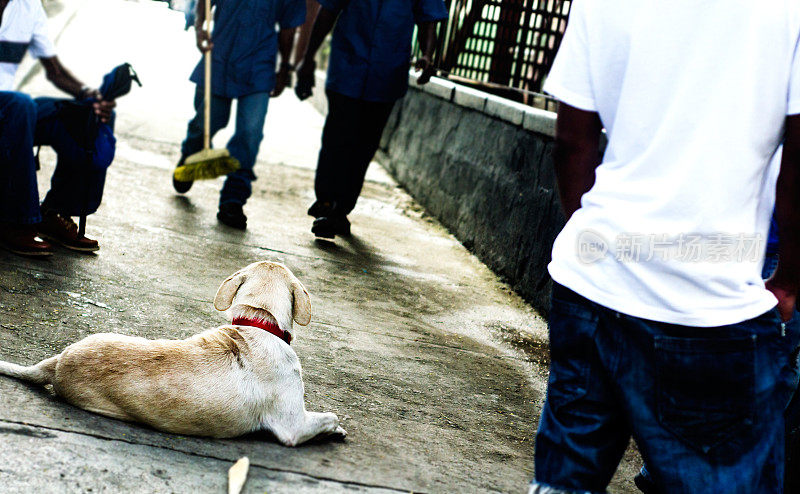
(205, 165)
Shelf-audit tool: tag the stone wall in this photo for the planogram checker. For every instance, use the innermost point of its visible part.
(482, 165)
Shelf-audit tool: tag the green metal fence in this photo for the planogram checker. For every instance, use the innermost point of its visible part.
(504, 47)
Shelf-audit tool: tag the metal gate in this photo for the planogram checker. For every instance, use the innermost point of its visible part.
(505, 47)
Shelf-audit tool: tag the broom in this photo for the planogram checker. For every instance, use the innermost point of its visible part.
(208, 163)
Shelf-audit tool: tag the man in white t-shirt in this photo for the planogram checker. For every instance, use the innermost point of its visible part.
(22, 221)
(661, 327)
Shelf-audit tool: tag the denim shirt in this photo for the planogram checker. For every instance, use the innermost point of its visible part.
(246, 44)
(371, 45)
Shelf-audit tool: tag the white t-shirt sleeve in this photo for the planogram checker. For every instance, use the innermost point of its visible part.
(41, 46)
(570, 78)
(794, 84)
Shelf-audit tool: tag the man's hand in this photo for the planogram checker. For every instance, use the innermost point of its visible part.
(283, 78)
(427, 37)
(203, 38)
(425, 65)
(323, 24)
(305, 79)
(787, 298)
(102, 108)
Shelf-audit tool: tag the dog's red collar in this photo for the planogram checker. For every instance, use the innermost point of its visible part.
(266, 326)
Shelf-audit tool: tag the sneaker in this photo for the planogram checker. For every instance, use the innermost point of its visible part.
(23, 240)
(330, 226)
(231, 214)
(62, 230)
(181, 187)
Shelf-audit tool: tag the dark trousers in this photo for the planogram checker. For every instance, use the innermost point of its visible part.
(24, 123)
(705, 405)
(350, 138)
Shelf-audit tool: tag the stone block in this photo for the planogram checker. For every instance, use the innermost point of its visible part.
(539, 121)
(470, 98)
(441, 88)
(505, 109)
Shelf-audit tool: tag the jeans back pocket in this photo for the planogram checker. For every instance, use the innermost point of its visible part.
(706, 388)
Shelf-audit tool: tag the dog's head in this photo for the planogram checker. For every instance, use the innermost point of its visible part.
(265, 286)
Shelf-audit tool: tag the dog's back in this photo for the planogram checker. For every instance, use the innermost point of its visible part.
(191, 386)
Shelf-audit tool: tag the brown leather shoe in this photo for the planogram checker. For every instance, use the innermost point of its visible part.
(22, 240)
(63, 230)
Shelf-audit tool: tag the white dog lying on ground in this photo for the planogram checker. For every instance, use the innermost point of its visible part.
(224, 382)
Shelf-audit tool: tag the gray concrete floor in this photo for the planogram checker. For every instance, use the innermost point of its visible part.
(436, 368)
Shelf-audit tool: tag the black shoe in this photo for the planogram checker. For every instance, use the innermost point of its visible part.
(330, 226)
(181, 187)
(322, 208)
(231, 214)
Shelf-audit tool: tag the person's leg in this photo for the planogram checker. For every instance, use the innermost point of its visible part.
(250, 115)
(338, 139)
(582, 432)
(792, 470)
(75, 187)
(644, 480)
(19, 194)
(371, 120)
(706, 404)
(220, 114)
(193, 143)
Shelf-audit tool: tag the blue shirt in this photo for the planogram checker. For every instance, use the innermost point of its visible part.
(246, 44)
(371, 45)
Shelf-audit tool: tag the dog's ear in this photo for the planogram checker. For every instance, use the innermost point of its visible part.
(301, 309)
(227, 290)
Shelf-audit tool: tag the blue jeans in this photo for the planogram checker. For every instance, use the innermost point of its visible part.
(705, 405)
(792, 483)
(25, 123)
(250, 115)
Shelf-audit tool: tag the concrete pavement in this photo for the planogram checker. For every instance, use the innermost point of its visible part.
(436, 368)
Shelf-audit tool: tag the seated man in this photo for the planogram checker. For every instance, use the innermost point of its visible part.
(22, 220)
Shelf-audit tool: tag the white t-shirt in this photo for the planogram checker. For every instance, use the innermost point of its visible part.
(23, 28)
(694, 96)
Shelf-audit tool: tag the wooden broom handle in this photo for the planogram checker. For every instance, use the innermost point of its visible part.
(207, 88)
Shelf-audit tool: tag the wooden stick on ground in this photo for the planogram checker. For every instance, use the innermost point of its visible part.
(237, 475)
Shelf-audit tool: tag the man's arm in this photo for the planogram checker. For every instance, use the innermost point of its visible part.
(65, 81)
(323, 25)
(576, 154)
(312, 7)
(785, 282)
(285, 45)
(202, 37)
(426, 34)
(62, 78)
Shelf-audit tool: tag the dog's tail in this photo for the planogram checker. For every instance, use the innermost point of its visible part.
(41, 373)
